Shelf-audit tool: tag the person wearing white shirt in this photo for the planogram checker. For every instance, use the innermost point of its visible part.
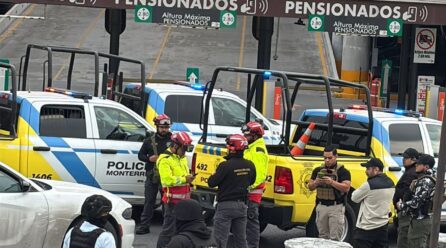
(91, 232)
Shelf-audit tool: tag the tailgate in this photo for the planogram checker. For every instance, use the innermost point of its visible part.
(205, 162)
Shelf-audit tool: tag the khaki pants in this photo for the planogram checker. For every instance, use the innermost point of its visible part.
(330, 221)
(419, 233)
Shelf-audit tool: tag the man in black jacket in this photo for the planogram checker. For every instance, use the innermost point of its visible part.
(403, 193)
(150, 149)
(191, 231)
(233, 178)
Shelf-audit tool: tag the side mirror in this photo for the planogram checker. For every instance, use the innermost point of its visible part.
(26, 186)
(394, 168)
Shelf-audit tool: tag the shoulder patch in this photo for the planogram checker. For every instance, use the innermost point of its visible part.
(260, 149)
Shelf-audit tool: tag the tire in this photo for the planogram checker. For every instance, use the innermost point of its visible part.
(350, 221)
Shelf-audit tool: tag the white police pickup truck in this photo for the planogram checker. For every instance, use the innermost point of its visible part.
(182, 101)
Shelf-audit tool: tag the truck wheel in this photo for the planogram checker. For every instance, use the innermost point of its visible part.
(350, 221)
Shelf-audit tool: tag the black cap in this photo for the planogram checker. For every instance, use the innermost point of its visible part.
(426, 159)
(187, 210)
(373, 162)
(411, 153)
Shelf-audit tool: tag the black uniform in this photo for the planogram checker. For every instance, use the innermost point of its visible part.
(152, 185)
(402, 188)
(233, 177)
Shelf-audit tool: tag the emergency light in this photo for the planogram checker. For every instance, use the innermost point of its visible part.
(197, 86)
(74, 94)
(267, 75)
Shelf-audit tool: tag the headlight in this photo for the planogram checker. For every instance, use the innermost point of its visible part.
(127, 214)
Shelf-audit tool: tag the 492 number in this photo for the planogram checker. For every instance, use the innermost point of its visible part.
(203, 167)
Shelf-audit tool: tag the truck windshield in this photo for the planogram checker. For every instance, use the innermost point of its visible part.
(434, 137)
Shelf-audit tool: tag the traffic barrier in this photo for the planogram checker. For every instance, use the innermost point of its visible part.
(299, 148)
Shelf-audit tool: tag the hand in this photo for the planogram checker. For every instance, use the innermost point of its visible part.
(189, 178)
(153, 158)
(317, 181)
(327, 180)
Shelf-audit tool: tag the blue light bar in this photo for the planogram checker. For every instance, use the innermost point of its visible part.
(197, 86)
(399, 111)
(267, 74)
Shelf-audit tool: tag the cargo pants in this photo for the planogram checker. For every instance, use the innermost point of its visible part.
(253, 225)
(330, 221)
(403, 230)
(419, 233)
(150, 192)
(230, 216)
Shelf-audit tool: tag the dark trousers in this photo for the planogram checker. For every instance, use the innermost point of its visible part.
(375, 238)
(168, 230)
(253, 225)
(230, 215)
(150, 193)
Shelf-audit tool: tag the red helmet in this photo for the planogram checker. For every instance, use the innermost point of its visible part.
(252, 128)
(183, 139)
(236, 142)
(162, 120)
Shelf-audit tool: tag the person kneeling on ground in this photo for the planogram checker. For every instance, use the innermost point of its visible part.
(191, 231)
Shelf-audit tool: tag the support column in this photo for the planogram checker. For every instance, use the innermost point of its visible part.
(355, 63)
(337, 42)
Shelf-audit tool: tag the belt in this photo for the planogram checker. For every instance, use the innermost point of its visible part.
(330, 203)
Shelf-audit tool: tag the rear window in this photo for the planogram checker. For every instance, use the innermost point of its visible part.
(403, 136)
(63, 121)
(133, 104)
(5, 117)
(342, 139)
(183, 109)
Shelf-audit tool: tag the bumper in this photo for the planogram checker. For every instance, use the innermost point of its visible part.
(128, 232)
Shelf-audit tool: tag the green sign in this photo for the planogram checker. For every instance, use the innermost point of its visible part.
(316, 23)
(4, 76)
(193, 74)
(228, 19)
(386, 72)
(395, 27)
(143, 14)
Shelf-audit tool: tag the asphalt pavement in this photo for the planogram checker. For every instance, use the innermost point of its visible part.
(272, 237)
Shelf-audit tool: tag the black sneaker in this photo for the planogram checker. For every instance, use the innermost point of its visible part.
(142, 230)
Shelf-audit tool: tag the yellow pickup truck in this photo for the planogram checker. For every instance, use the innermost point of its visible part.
(359, 131)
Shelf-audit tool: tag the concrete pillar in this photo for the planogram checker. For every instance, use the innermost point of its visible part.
(337, 42)
(355, 62)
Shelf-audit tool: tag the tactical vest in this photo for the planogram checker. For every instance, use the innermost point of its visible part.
(197, 242)
(426, 207)
(81, 239)
(327, 192)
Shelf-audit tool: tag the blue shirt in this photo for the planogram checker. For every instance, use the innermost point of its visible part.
(105, 240)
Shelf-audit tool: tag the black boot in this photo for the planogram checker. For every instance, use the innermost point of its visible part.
(142, 230)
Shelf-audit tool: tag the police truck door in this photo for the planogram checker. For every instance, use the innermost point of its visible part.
(60, 142)
(118, 135)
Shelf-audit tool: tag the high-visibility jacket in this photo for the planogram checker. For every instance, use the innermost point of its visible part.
(257, 153)
(173, 171)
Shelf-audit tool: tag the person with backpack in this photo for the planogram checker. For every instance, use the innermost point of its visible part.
(149, 152)
(191, 230)
(419, 207)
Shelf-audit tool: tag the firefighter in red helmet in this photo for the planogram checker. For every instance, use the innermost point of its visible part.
(233, 178)
(175, 181)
